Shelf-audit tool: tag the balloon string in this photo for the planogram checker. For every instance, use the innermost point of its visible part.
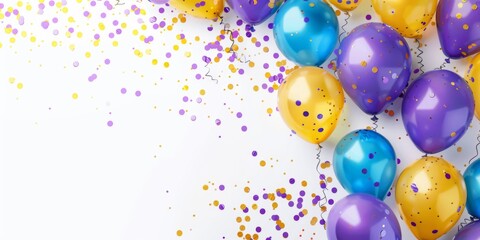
(444, 64)
(232, 39)
(467, 221)
(419, 56)
(344, 31)
(476, 149)
(209, 75)
(425, 155)
(324, 198)
(375, 122)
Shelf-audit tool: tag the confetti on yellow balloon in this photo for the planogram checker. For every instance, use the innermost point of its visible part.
(431, 197)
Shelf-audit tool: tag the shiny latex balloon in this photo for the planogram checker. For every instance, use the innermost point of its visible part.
(364, 162)
(473, 79)
(310, 101)
(409, 17)
(472, 181)
(306, 31)
(437, 110)
(345, 5)
(362, 216)
(430, 195)
(208, 9)
(469, 232)
(458, 25)
(374, 66)
(158, 1)
(254, 11)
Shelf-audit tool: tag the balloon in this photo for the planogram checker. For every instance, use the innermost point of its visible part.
(364, 162)
(437, 110)
(472, 181)
(374, 65)
(473, 79)
(458, 24)
(362, 216)
(306, 31)
(430, 195)
(208, 9)
(310, 101)
(408, 17)
(469, 232)
(158, 1)
(255, 11)
(345, 5)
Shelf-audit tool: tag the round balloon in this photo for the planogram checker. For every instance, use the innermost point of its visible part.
(306, 32)
(158, 1)
(458, 25)
(345, 5)
(469, 232)
(374, 66)
(430, 195)
(409, 17)
(364, 162)
(208, 9)
(255, 12)
(310, 101)
(437, 110)
(473, 79)
(472, 181)
(362, 216)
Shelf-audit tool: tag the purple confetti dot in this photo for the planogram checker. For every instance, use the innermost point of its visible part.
(435, 231)
(291, 181)
(244, 128)
(413, 224)
(364, 171)
(305, 113)
(109, 123)
(221, 187)
(138, 93)
(334, 190)
(239, 115)
(414, 187)
(370, 155)
(447, 175)
(123, 90)
(376, 184)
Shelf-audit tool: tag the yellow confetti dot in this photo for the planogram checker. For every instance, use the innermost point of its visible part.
(304, 183)
(11, 80)
(230, 86)
(74, 95)
(474, 7)
(246, 189)
(269, 111)
(166, 64)
(453, 134)
(19, 85)
(313, 221)
(354, 86)
(88, 54)
(363, 63)
(154, 62)
(374, 69)
(458, 15)
(202, 92)
(255, 88)
(262, 163)
(465, 26)
(205, 187)
(179, 233)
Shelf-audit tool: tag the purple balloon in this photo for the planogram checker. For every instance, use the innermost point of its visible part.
(254, 11)
(437, 110)
(362, 216)
(469, 232)
(158, 1)
(458, 24)
(374, 65)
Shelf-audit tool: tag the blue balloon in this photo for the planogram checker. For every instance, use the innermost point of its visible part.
(364, 162)
(472, 181)
(306, 31)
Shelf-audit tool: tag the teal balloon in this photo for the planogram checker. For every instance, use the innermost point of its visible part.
(364, 162)
(306, 31)
(472, 182)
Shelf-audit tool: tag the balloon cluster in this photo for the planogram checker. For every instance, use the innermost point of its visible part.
(373, 67)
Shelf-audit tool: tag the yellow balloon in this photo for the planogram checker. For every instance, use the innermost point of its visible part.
(345, 5)
(208, 9)
(408, 17)
(431, 197)
(473, 79)
(310, 101)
